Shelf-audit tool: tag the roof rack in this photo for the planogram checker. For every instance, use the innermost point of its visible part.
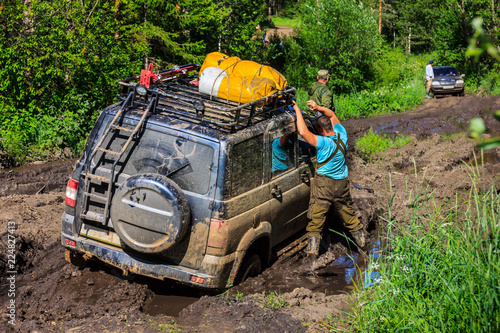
(173, 94)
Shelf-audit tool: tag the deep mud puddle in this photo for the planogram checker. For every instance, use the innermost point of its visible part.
(346, 272)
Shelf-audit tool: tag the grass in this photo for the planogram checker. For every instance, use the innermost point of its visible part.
(441, 270)
(274, 300)
(286, 22)
(173, 327)
(384, 100)
(448, 137)
(372, 143)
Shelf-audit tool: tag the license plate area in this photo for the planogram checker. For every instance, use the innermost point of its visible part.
(108, 237)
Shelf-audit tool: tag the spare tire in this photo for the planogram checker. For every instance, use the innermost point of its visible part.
(150, 213)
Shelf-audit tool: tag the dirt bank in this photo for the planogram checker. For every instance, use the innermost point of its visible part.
(52, 295)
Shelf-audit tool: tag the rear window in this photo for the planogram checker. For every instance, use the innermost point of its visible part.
(186, 162)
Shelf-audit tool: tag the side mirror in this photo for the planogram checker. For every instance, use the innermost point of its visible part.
(462, 76)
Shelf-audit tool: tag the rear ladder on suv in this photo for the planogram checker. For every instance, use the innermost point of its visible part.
(113, 155)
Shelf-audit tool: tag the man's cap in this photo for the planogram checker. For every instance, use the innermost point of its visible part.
(431, 61)
(323, 73)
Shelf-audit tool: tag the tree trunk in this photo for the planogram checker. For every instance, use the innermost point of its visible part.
(379, 17)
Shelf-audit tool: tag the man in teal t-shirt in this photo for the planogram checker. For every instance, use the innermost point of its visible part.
(331, 184)
(280, 154)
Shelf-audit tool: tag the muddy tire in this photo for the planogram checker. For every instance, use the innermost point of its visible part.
(252, 266)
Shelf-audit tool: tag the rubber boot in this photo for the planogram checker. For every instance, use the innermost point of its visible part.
(359, 238)
(427, 95)
(312, 251)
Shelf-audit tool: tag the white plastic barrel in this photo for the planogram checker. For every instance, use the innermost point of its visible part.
(210, 81)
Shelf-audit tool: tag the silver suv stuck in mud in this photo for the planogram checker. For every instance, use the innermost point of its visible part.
(175, 184)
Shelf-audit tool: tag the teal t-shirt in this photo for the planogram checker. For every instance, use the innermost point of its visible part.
(280, 160)
(336, 167)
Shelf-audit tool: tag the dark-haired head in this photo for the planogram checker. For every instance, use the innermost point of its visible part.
(323, 123)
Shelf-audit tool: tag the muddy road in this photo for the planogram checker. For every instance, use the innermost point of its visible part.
(53, 295)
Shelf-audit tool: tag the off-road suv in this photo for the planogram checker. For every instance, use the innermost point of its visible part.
(174, 184)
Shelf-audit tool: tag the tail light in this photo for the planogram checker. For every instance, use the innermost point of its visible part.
(71, 191)
(218, 234)
(197, 279)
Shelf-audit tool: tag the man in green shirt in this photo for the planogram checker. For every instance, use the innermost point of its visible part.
(320, 93)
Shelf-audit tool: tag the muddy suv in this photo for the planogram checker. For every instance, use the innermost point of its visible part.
(174, 184)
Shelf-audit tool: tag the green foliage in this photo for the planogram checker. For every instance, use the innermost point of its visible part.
(60, 60)
(274, 300)
(372, 143)
(393, 68)
(440, 272)
(172, 327)
(286, 22)
(447, 137)
(477, 128)
(381, 101)
(490, 82)
(398, 86)
(301, 97)
(480, 44)
(340, 36)
(238, 28)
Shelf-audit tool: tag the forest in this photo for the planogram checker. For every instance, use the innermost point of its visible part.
(60, 60)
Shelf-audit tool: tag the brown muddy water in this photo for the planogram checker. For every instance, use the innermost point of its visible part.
(347, 272)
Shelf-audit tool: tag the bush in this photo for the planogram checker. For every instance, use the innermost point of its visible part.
(490, 83)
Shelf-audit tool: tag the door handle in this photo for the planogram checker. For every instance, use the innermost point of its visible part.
(305, 177)
(276, 192)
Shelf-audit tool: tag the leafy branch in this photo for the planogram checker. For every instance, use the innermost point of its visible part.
(479, 44)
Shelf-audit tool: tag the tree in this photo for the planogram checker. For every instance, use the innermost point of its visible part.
(338, 35)
(60, 59)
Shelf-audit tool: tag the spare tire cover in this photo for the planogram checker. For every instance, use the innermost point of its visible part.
(150, 213)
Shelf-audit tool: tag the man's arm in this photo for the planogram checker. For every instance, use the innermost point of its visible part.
(325, 111)
(302, 128)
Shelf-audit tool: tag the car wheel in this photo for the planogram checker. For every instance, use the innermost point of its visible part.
(252, 266)
(462, 94)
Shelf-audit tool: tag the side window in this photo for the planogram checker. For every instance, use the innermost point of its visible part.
(282, 153)
(247, 165)
(306, 151)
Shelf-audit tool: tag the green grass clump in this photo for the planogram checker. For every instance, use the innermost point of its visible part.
(274, 300)
(286, 22)
(441, 271)
(372, 143)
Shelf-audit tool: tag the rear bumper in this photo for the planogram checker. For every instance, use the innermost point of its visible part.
(137, 265)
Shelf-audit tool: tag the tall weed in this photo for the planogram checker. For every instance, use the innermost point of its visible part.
(441, 270)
